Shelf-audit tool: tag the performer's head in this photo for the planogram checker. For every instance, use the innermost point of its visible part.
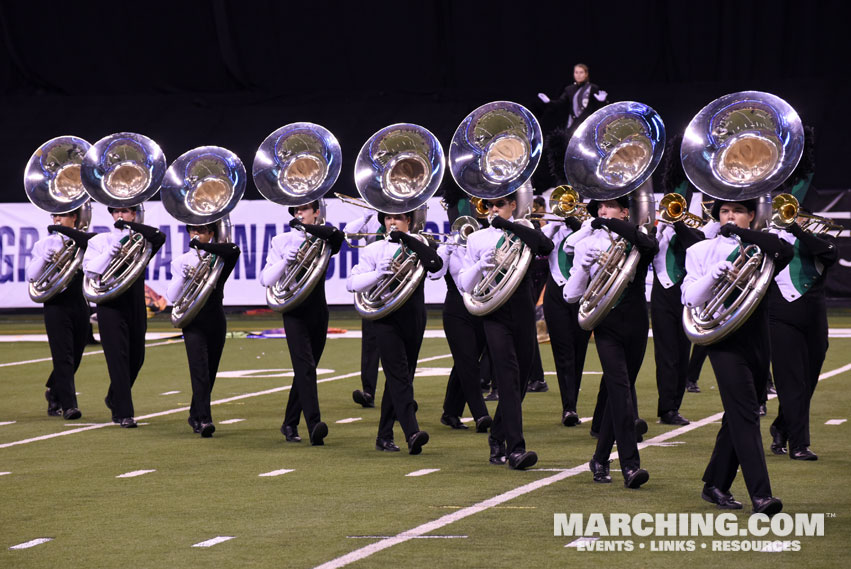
(203, 233)
(580, 73)
(307, 213)
(125, 213)
(739, 213)
(68, 219)
(398, 221)
(503, 207)
(610, 209)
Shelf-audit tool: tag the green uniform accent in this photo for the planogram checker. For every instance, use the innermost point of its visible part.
(802, 270)
(565, 260)
(675, 261)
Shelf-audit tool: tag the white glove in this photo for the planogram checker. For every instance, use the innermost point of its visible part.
(487, 261)
(543, 97)
(188, 271)
(601, 96)
(588, 259)
(721, 268)
(363, 281)
(385, 267)
(115, 249)
(292, 253)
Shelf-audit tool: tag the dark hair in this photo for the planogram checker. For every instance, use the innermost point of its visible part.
(408, 214)
(540, 201)
(314, 204)
(594, 205)
(585, 67)
(211, 227)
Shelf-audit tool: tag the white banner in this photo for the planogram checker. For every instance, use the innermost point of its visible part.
(255, 222)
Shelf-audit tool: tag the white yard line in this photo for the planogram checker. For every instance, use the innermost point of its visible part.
(423, 472)
(277, 472)
(214, 541)
(485, 505)
(134, 473)
(231, 421)
(32, 543)
(165, 343)
(183, 409)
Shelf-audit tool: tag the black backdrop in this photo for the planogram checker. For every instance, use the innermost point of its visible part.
(190, 72)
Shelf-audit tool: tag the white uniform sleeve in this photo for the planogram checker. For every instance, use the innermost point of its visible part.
(576, 284)
(41, 252)
(99, 253)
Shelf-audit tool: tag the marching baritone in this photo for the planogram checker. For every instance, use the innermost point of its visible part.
(204, 336)
(740, 360)
(621, 337)
(509, 330)
(122, 321)
(66, 315)
(399, 333)
(305, 325)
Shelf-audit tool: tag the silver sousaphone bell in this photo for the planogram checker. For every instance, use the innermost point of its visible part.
(294, 166)
(494, 153)
(739, 147)
(397, 170)
(612, 154)
(52, 183)
(202, 187)
(122, 170)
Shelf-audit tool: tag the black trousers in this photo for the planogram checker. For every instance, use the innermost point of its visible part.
(695, 363)
(204, 339)
(568, 341)
(66, 320)
(670, 345)
(400, 336)
(511, 338)
(798, 348)
(740, 363)
(466, 337)
(621, 340)
(122, 324)
(368, 357)
(307, 331)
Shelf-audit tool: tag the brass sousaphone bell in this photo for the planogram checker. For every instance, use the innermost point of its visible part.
(202, 187)
(295, 165)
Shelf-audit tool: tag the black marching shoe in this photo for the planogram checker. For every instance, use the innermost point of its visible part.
(802, 453)
(570, 419)
(723, 500)
(386, 445)
(54, 409)
(768, 505)
(207, 429)
(72, 414)
(290, 433)
(521, 460)
(538, 387)
(492, 396)
(195, 424)
(108, 403)
(318, 434)
(128, 423)
(640, 429)
(594, 434)
(673, 418)
(600, 470)
(452, 421)
(417, 441)
(363, 398)
(691, 387)
(763, 410)
(635, 477)
(497, 453)
(483, 423)
(778, 440)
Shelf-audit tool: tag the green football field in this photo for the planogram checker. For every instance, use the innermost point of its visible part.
(253, 500)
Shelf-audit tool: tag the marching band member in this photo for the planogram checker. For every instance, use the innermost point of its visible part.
(204, 336)
(740, 360)
(466, 338)
(568, 341)
(509, 330)
(66, 317)
(400, 333)
(621, 337)
(306, 325)
(365, 397)
(122, 321)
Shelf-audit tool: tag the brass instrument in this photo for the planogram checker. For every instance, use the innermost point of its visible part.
(612, 154)
(740, 147)
(297, 165)
(673, 208)
(122, 170)
(202, 187)
(52, 183)
(461, 229)
(397, 170)
(786, 211)
(494, 153)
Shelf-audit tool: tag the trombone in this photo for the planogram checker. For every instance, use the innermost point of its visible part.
(785, 210)
(458, 233)
(673, 208)
(564, 202)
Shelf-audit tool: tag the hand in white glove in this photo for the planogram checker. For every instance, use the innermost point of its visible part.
(189, 271)
(543, 97)
(292, 253)
(115, 249)
(385, 266)
(487, 261)
(601, 96)
(721, 268)
(589, 258)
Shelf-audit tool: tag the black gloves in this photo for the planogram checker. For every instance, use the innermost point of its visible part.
(573, 223)
(537, 241)
(687, 236)
(80, 238)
